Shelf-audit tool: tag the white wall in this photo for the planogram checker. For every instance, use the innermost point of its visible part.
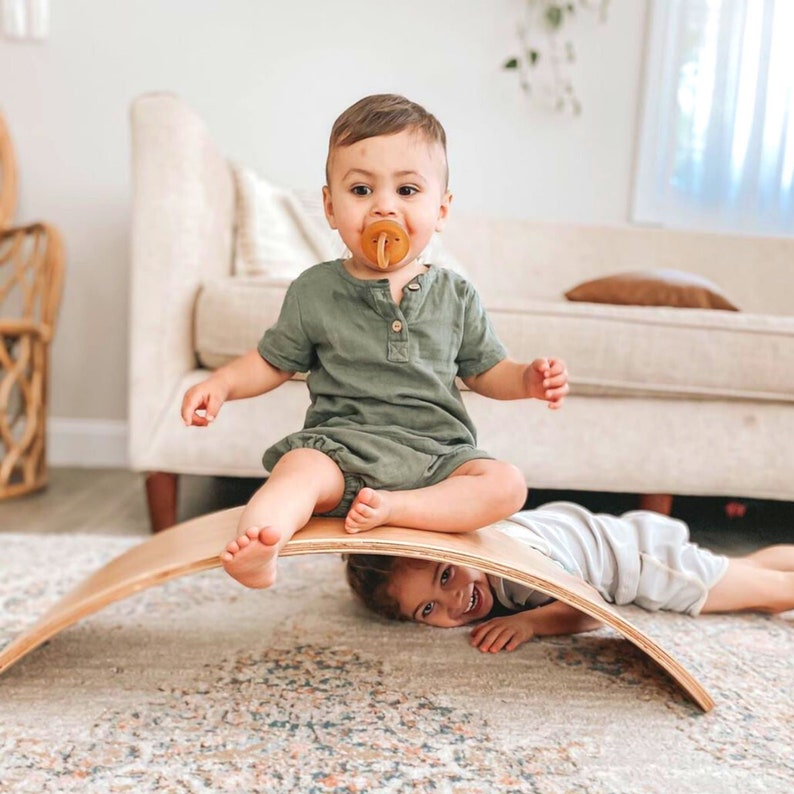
(270, 76)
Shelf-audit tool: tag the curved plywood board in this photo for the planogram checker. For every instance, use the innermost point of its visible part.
(195, 545)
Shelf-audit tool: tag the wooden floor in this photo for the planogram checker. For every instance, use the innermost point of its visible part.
(112, 502)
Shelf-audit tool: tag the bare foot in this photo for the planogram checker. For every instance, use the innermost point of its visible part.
(251, 559)
(370, 509)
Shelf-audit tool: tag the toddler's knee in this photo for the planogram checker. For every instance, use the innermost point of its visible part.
(513, 487)
(300, 455)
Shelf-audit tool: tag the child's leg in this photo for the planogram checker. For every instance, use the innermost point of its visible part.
(304, 481)
(778, 558)
(476, 494)
(760, 582)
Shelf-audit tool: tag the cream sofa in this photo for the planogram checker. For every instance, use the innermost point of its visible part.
(664, 400)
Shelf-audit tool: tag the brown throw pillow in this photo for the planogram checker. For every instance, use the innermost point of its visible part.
(653, 288)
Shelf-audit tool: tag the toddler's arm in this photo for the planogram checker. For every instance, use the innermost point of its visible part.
(248, 375)
(544, 379)
(507, 633)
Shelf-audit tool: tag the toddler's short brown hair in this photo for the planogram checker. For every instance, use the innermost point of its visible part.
(384, 114)
(368, 576)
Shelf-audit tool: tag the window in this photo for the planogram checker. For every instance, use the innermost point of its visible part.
(716, 148)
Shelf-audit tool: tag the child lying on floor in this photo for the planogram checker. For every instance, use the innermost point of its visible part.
(641, 558)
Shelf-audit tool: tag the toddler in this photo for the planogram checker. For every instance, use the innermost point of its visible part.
(386, 437)
(641, 558)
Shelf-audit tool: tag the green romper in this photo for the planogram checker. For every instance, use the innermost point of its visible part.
(384, 403)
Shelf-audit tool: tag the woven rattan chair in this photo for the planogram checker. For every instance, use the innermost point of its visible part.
(31, 275)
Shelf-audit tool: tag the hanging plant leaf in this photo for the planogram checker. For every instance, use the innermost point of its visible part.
(554, 16)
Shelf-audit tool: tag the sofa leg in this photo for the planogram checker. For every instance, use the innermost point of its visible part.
(657, 502)
(161, 495)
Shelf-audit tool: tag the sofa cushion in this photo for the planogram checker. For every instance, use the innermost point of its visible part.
(616, 350)
(514, 257)
(663, 351)
(653, 288)
(280, 232)
(232, 314)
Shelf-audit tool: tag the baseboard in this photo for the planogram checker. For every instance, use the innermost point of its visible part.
(87, 443)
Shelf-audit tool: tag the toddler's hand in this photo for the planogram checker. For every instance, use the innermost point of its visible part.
(207, 397)
(547, 379)
(505, 633)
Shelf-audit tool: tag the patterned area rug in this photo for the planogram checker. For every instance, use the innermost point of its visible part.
(203, 686)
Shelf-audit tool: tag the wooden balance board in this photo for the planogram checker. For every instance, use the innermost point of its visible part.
(195, 545)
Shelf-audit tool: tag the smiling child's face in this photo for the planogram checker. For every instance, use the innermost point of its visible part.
(399, 177)
(441, 594)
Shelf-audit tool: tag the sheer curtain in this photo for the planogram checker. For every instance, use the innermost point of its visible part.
(716, 147)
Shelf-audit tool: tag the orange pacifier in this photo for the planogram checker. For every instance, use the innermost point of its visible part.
(385, 243)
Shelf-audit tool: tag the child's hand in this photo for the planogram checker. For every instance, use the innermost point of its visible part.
(505, 633)
(547, 379)
(207, 397)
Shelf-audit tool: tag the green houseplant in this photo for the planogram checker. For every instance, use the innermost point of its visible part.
(546, 50)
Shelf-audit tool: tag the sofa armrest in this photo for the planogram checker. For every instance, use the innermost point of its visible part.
(182, 233)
